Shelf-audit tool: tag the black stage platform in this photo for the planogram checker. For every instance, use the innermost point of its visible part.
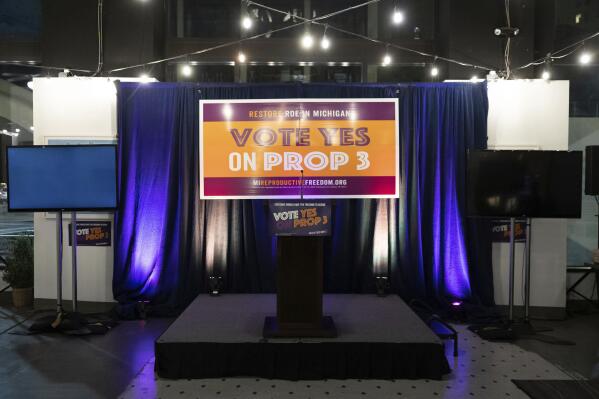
(378, 338)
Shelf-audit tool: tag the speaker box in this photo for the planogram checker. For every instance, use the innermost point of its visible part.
(591, 186)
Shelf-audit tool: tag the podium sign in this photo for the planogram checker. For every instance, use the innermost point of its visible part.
(300, 218)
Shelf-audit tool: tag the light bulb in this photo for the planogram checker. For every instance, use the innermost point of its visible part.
(186, 70)
(30, 84)
(307, 41)
(17, 130)
(246, 22)
(585, 58)
(325, 43)
(546, 75)
(386, 60)
(397, 17)
(241, 57)
(434, 71)
(145, 78)
(474, 78)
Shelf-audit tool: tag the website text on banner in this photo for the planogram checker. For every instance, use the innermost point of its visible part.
(311, 148)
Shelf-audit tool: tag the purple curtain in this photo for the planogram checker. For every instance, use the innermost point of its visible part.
(168, 241)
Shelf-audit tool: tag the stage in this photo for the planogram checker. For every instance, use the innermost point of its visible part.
(379, 338)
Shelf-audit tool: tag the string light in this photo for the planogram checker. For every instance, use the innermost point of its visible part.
(585, 58)
(546, 74)
(186, 70)
(434, 69)
(397, 17)
(307, 41)
(325, 43)
(387, 60)
(246, 22)
(145, 78)
(315, 21)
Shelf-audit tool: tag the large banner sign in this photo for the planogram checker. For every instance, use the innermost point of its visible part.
(310, 148)
(305, 218)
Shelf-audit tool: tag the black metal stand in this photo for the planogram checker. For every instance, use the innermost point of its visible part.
(49, 323)
(521, 327)
(63, 320)
(512, 328)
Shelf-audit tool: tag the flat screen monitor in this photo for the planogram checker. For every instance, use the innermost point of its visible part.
(62, 178)
(543, 184)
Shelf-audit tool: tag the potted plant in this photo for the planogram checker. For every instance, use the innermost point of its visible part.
(19, 272)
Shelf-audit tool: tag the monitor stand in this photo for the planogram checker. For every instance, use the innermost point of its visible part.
(63, 320)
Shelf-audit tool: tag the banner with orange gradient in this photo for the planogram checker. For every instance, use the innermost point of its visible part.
(310, 148)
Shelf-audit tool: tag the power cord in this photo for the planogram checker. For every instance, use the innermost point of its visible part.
(28, 317)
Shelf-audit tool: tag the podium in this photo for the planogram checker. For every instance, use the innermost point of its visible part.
(299, 290)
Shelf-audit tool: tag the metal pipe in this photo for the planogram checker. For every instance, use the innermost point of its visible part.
(59, 262)
(74, 258)
(512, 263)
(527, 271)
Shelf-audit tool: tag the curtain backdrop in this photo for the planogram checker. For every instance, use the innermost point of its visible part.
(167, 241)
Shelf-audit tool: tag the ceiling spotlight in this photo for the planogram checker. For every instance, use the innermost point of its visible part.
(307, 41)
(246, 22)
(434, 71)
(386, 59)
(585, 58)
(397, 17)
(241, 57)
(325, 43)
(17, 130)
(186, 70)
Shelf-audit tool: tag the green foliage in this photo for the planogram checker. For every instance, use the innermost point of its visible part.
(19, 266)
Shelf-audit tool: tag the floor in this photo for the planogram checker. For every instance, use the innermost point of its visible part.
(120, 364)
(583, 329)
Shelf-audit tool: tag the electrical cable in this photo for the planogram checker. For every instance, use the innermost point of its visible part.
(52, 68)
(100, 38)
(239, 41)
(553, 55)
(28, 317)
(208, 49)
(304, 21)
(506, 53)
(373, 40)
